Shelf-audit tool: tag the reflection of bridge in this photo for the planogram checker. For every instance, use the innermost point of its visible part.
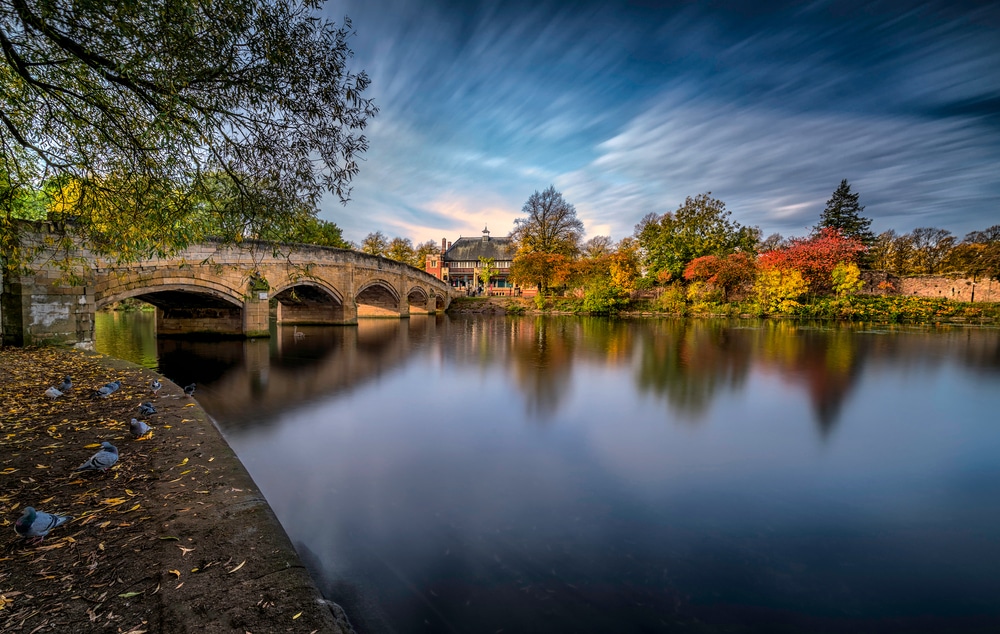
(243, 383)
(211, 288)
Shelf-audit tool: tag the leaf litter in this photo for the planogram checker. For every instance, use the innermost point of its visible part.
(103, 571)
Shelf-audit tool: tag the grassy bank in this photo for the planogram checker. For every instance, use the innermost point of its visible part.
(880, 309)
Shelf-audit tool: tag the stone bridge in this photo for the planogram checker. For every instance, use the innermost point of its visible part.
(209, 289)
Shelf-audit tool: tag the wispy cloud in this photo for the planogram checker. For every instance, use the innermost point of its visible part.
(627, 109)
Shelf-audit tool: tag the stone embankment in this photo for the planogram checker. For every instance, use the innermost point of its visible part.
(175, 538)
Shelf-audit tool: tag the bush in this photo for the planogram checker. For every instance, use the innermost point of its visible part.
(672, 300)
(604, 300)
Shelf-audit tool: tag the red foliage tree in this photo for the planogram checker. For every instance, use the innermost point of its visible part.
(728, 273)
(815, 257)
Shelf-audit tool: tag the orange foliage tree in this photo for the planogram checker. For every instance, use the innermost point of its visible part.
(815, 257)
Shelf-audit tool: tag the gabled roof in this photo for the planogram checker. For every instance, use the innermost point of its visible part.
(465, 249)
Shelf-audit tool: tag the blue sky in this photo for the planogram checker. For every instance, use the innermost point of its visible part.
(629, 107)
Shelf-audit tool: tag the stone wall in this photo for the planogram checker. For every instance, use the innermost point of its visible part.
(961, 289)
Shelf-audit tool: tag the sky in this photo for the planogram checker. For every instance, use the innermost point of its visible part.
(627, 108)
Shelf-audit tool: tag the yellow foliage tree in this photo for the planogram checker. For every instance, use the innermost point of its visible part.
(779, 289)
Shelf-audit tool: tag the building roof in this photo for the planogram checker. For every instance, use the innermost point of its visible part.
(466, 249)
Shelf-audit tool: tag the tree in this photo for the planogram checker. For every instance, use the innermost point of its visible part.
(375, 243)
(700, 226)
(598, 246)
(846, 278)
(625, 265)
(815, 257)
(422, 250)
(979, 254)
(551, 225)
(144, 104)
(541, 270)
(486, 271)
(400, 250)
(728, 273)
(843, 213)
(931, 247)
(319, 232)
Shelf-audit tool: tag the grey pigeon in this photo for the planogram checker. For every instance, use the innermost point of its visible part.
(35, 525)
(145, 409)
(138, 428)
(108, 389)
(66, 385)
(155, 386)
(102, 460)
(189, 390)
(53, 393)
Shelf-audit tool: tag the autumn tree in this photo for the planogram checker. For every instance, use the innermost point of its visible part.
(978, 255)
(814, 257)
(728, 273)
(375, 243)
(143, 104)
(625, 266)
(843, 213)
(931, 247)
(400, 250)
(550, 225)
(540, 270)
(422, 250)
(700, 226)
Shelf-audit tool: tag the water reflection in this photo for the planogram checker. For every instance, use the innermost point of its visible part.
(561, 475)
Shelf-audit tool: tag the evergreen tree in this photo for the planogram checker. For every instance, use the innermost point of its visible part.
(843, 213)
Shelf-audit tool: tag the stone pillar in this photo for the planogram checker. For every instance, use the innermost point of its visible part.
(256, 313)
(350, 311)
(42, 309)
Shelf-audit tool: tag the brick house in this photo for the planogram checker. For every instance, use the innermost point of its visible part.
(458, 263)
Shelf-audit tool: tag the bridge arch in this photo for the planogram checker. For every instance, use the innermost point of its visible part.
(417, 296)
(377, 298)
(184, 306)
(309, 302)
(147, 290)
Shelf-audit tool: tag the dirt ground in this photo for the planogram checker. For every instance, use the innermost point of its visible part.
(174, 538)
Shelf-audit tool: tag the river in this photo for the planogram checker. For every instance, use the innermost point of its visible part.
(494, 474)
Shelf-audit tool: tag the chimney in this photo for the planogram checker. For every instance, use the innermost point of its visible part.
(449, 244)
(444, 245)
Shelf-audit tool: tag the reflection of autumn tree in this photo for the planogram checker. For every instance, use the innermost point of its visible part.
(687, 362)
(827, 362)
(542, 354)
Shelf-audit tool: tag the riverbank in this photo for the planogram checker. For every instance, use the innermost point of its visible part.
(175, 538)
(877, 309)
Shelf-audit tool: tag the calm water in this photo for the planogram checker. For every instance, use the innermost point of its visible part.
(582, 475)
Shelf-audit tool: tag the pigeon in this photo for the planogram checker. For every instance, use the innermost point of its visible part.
(102, 460)
(138, 428)
(108, 389)
(189, 390)
(155, 386)
(145, 409)
(66, 385)
(35, 525)
(53, 393)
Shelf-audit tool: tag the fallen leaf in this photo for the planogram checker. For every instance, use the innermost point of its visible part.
(296, 616)
(177, 573)
(171, 538)
(129, 595)
(237, 567)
